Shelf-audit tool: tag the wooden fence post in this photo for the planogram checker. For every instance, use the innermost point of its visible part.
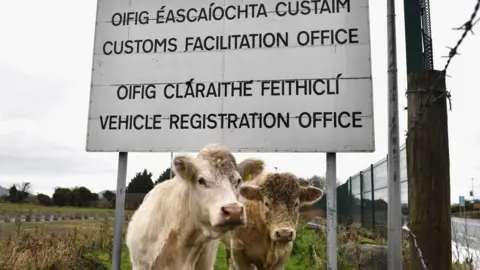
(428, 166)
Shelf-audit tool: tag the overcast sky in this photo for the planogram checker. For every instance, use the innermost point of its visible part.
(45, 71)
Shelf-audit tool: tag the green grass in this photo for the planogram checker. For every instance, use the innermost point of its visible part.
(68, 244)
(105, 259)
(25, 207)
(92, 240)
(301, 258)
(221, 263)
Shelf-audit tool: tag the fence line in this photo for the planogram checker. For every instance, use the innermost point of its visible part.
(367, 193)
(367, 190)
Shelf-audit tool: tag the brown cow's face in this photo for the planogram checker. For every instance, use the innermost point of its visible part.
(214, 187)
(281, 195)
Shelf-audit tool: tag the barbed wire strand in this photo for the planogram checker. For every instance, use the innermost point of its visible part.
(412, 236)
(467, 27)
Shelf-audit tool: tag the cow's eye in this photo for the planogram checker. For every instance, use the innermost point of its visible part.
(202, 181)
(297, 205)
(267, 205)
(237, 183)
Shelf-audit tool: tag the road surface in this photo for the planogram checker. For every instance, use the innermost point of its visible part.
(466, 239)
(466, 232)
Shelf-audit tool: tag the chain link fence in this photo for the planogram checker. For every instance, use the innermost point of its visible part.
(363, 198)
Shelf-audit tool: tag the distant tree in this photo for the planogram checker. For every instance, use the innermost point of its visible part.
(141, 183)
(81, 197)
(18, 193)
(13, 194)
(25, 189)
(109, 196)
(318, 181)
(94, 198)
(164, 176)
(44, 199)
(62, 196)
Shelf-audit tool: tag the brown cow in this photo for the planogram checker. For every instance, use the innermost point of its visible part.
(178, 224)
(272, 202)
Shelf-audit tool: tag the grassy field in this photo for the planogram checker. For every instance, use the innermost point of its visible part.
(88, 244)
(68, 244)
(10, 208)
(105, 258)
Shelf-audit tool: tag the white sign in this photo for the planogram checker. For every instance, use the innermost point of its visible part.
(287, 76)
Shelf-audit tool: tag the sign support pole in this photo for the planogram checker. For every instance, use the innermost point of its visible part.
(394, 188)
(332, 210)
(119, 210)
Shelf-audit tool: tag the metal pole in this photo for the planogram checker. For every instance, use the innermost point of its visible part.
(332, 210)
(394, 203)
(362, 200)
(372, 186)
(119, 210)
(473, 192)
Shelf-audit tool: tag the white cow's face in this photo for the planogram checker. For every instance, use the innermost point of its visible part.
(215, 196)
(214, 181)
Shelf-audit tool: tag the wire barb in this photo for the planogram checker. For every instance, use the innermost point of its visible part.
(413, 237)
(467, 27)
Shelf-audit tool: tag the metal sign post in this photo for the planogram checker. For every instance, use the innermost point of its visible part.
(332, 210)
(394, 188)
(119, 210)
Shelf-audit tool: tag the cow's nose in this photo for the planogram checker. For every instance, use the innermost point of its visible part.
(232, 213)
(284, 235)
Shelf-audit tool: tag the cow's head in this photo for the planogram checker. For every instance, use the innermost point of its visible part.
(280, 196)
(214, 180)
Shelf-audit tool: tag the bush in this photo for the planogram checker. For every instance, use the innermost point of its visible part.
(44, 199)
(38, 249)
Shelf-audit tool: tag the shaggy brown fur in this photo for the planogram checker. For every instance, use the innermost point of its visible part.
(253, 244)
(281, 187)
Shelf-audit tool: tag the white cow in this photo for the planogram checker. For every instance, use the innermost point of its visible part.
(178, 224)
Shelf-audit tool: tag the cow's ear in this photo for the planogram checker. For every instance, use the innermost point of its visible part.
(303, 182)
(251, 193)
(250, 168)
(184, 166)
(310, 195)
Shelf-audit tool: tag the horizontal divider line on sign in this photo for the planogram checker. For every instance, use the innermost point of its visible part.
(249, 81)
(217, 117)
(249, 49)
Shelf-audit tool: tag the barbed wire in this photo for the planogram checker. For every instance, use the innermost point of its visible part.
(412, 236)
(467, 27)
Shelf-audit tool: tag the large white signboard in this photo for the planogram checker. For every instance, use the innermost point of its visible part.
(288, 76)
